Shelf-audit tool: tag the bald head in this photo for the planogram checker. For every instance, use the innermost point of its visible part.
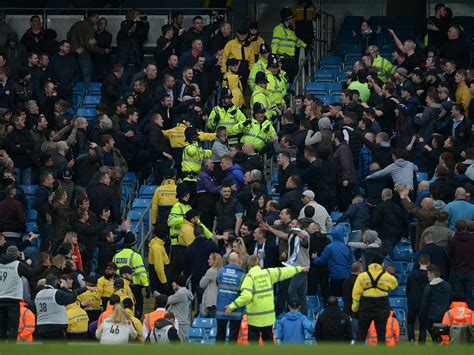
(427, 203)
(460, 193)
(233, 258)
(423, 185)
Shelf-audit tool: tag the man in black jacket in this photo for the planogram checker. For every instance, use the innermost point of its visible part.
(285, 170)
(64, 70)
(417, 280)
(437, 254)
(158, 145)
(318, 274)
(265, 249)
(130, 39)
(387, 220)
(41, 205)
(292, 198)
(333, 324)
(435, 301)
(165, 46)
(87, 165)
(199, 31)
(112, 88)
(20, 146)
(102, 197)
(101, 63)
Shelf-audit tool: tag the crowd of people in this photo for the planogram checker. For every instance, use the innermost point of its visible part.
(221, 239)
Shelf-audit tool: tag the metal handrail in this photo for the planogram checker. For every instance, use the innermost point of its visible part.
(140, 226)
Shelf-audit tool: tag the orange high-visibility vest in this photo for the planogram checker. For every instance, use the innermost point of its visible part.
(243, 337)
(105, 314)
(151, 318)
(392, 332)
(26, 325)
(459, 314)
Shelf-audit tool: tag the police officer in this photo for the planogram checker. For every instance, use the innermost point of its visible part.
(276, 82)
(260, 94)
(50, 303)
(175, 221)
(11, 291)
(128, 257)
(226, 115)
(193, 155)
(285, 41)
(260, 64)
(256, 294)
(229, 280)
(164, 199)
(258, 131)
(370, 299)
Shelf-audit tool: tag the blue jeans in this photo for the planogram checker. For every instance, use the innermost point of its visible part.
(23, 176)
(85, 63)
(463, 283)
(298, 290)
(127, 77)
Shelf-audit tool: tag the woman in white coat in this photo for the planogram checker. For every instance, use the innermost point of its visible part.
(117, 329)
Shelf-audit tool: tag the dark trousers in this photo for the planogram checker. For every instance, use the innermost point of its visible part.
(9, 319)
(137, 293)
(234, 327)
(463, 283)
(375, 309)
(318, 276)
(155, 282)
(289, 65)
(53, 334)
(412, 315)
(176, 261)
(282, 296)
(429, 326)
(256, 332)
(335, 288)
(77, 336)
(344, 196)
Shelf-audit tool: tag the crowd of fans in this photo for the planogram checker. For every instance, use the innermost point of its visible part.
(215, 221)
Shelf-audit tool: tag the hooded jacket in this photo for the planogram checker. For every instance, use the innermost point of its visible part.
(16, 56)
(292, 327)
(460, 252)
(179, 305)
(333, 325)
(436, 300)
(401, 171)
(337, 255)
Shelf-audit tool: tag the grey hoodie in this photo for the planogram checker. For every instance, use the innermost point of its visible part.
(401, 171)
(179, 305)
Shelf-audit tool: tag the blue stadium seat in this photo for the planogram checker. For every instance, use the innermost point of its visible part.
(29, 190)
(32, 227)
(147, 191)
(134, 215)
(401, 255)
(314, 306)
(78, 89)
(334, 88)
(401, 315)
(402, 279)
(76, 101)
(140, 204)
(345, 36)
(317, 88)
(94, 88)
(205, 323)
(344, 49)
(87, 113)
(130, 179)
(409, 267)
(400, 291)
(382, 21)
(29, 202)
(90, 101)
(340, 302)
(421, 177)
(32, 216)
(350, 59)
(335, 99)
(399, 268)
(399, 302)
(333, 61)
(195, 335)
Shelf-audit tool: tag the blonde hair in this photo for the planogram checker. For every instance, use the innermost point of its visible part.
(217, 260)
(68, 237)
(119, 315)
(372, 48)
(241, 249)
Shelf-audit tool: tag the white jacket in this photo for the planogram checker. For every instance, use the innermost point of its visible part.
(321, 216)
(115, 333)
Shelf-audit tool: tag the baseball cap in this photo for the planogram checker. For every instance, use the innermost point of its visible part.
(309, 194)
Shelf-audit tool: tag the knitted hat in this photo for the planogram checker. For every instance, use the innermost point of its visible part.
(371, 236)
(12, 252)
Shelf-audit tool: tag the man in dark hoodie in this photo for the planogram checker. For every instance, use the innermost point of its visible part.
(65, 70)
(15, 53)
(417, 280)
(333, 324)
(460, 253)
(11, 292)
(435, 301)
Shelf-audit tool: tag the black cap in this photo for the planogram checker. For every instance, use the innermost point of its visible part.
(264, 48)
(91, 280)
(258, 108)
(182, 189)
(273, 61)
(190, 134)
(111, 265)
(129, 239)
(232, 61)
(226, 93)
(191, 214)
(286, 14)
(242, 30)
(261, 78)
(418, 72)
(125, 270)
(180, 280)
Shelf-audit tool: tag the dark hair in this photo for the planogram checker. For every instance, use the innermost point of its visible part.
(459, 107)
(309, 211)
(434, 269)
(114, 299)
(131, 111)
(175, 15)
(424, 259)
(166, 28)
(439, 6)
(91, 13)
(127, 303)
(197, 18)
(161, 301)
(377, 258)
(105, 139)
(117, 67)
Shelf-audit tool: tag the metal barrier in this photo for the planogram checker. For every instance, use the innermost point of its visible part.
(144, 228)
(323, 43)
(61, 19)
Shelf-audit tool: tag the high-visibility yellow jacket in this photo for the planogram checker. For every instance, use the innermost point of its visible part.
(384, 67)
(256, 293)
(176, 219)
(285, 41)
(163, 198)
(233, 49)
(255, 41)
(158, 258)
(105, 287)
(93, 298)
(193, 155)
(276, 88)
(124, 293)
(232, 81)
(186, 235)
(129, 257)
(261, 95)
(77, 319)
(260, 65)
(136, 324)
(176, 136)
(363, 286)
(463, 96)
(26, 324)
(229, 119)
(258, 134)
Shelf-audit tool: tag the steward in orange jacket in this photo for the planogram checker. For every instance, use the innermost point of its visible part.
(459, 314)
(26, 325)
(392, 332)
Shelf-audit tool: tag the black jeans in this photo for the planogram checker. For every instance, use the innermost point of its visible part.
(265, 332)
(344, 196)
(429, 326)
(9, 319)
(55, 333)
(336, 287)
(375, 309)
(411, 320)
(318, 276)
(234, 327)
